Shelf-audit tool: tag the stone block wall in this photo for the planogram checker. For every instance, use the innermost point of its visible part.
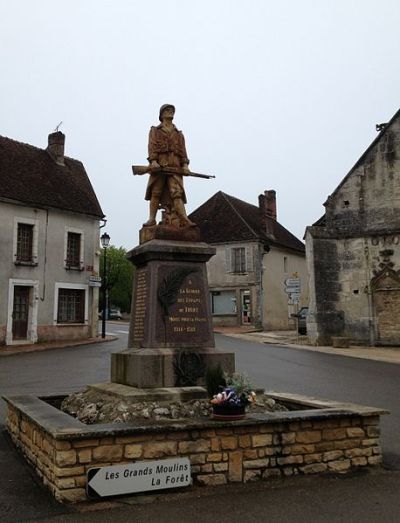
(219, 452)
(356, 243)
(342, 299)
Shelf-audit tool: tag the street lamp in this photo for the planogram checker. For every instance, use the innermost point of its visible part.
(105, 242)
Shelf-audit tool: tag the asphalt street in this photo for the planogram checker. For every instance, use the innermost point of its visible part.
(367, 382)
(367, 498)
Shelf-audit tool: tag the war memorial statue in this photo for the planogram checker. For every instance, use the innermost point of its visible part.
(171, 339)
(168, 163)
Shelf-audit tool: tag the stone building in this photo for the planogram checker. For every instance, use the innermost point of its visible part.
(353, 251)
(49, 239)
(255, 255)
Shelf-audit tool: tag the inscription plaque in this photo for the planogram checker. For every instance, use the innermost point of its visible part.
(186, 321)
(140, 305)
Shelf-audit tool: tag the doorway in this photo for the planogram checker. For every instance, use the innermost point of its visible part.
(20, 314)
(387, 313)
(246, 308)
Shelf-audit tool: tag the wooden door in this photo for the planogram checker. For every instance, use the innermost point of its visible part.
(246, 307)
(20, 312)
(387, 311)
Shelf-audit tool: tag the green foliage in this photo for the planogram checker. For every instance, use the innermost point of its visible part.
(119, 278)
(240, 383)
(215, 380)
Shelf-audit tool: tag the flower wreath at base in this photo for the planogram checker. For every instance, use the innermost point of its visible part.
(238, 392)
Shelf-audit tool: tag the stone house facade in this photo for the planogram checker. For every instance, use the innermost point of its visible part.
(49, 241)
(255, 255)
(353, 251)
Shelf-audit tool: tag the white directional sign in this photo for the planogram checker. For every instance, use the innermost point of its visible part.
(292, 282)
(138, 477)
(292, 286)
(289, 290)
(94, 281)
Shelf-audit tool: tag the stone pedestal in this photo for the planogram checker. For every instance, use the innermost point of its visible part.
(171, 340)
(169, 232)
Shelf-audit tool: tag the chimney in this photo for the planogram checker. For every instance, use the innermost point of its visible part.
(55, 147)
(267, 205)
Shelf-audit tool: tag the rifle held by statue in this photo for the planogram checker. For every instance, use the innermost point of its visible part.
(147, 169)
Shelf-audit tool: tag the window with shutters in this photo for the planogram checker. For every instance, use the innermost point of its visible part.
(239, 259)
(24, 242)
(73, 249)
(25, 250)
(71, 306)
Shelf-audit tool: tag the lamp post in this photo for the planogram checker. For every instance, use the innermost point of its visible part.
(105, 242)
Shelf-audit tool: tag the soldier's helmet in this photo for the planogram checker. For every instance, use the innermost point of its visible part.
(162, 109)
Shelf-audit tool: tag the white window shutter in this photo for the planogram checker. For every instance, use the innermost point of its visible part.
(228, 259)
(82, 252)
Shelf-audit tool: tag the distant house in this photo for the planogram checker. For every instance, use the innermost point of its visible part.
(255, 255)
(353, 251)
(49, 238)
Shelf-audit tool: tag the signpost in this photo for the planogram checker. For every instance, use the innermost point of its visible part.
(94, 281)
(140, 476)
(293, 289)
(294, 298)
(292, 285)
(293, 282)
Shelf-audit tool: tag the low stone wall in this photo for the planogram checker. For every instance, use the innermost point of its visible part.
(329, 437)
(62, 332)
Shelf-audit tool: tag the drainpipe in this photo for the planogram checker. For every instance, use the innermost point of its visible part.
(42, 298)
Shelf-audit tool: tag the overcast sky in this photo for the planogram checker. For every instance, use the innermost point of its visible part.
(270, 95)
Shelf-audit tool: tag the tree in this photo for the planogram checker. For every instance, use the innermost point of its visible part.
(119, 278)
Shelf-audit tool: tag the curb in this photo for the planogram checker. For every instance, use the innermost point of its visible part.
(368, 353)
(24, 349)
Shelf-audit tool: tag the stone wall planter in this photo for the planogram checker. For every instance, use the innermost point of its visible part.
(319, 437)
(228, 412)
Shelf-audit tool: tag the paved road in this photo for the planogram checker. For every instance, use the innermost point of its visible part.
(274, 368)
(326, 376)
(59, 370)
(282, 369)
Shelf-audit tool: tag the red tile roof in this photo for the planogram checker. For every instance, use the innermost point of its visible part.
(29, 175)
(224, 218)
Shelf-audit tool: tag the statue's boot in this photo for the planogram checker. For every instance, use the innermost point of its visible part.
(149, 223)
(181, 212)
(153, 212)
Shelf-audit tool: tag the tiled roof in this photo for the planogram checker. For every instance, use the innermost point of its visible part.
(224, 218)
(29, 175)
